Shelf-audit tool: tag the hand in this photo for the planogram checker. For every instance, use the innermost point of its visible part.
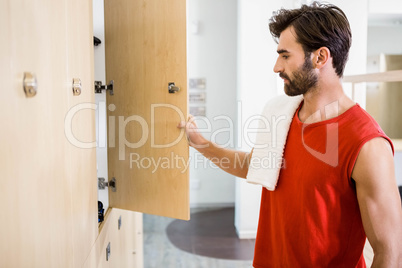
(194, 137)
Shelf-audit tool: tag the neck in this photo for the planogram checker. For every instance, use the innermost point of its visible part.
(324, 102)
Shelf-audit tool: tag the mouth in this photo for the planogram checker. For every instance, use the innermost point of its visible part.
(285, 78)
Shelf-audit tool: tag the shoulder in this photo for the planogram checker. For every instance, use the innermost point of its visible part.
(362, 140)
(359, 117)
(374, 159)
(360, 127)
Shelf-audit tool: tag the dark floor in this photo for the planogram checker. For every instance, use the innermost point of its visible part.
(207, 240)
(211, 233)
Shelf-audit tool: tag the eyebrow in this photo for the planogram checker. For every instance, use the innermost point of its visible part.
(280, 51)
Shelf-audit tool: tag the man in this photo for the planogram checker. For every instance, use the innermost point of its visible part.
(320, 214)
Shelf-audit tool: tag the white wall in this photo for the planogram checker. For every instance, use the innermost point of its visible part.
(211, 54)
(357, 63)
(100, 99)
(256, 85)
(385, 6)
(384, 39)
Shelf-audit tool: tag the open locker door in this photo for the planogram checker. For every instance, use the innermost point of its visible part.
(145, 42)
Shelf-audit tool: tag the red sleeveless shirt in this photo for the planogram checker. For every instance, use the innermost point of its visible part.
(312, 219)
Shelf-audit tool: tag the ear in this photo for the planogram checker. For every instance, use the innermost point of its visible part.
(321, 57)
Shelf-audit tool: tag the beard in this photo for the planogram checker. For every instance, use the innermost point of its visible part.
(304, 79)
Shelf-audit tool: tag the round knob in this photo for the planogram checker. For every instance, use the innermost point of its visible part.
(30, 85)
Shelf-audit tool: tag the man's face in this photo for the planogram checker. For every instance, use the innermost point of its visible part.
(292, 65)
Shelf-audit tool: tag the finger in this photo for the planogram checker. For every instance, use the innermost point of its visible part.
(188, 140)
(191, 121)
(182, 124)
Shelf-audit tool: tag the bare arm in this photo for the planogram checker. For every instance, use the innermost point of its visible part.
(379, 202)
(232, 161)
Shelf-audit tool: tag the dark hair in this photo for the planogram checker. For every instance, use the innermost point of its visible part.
(317, 25)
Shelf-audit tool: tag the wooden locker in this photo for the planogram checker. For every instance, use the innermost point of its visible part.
(36, 225)
(48, 150)
(124, 242)
(80, 126)
(97, 257)
(145, 43)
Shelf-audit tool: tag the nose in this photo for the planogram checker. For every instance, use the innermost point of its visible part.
(278, 67)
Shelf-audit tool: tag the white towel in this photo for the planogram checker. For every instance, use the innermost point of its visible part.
(267, 157)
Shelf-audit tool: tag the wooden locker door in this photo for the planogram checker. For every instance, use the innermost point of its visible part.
(122, 238)
(80, 128)
(35, 226)
(126, 242)
(97, 257)
(145, 43)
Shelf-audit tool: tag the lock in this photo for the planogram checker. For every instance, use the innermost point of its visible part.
(30, 85)
(77, 86)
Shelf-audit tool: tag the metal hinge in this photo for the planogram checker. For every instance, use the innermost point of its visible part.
(172, 88)
(119, 223)
(99, 87)
(102, 184)
(108, 252)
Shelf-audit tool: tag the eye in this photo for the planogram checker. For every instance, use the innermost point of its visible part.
(285, 57)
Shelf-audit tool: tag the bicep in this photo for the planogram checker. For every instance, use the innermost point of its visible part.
(378, 195)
